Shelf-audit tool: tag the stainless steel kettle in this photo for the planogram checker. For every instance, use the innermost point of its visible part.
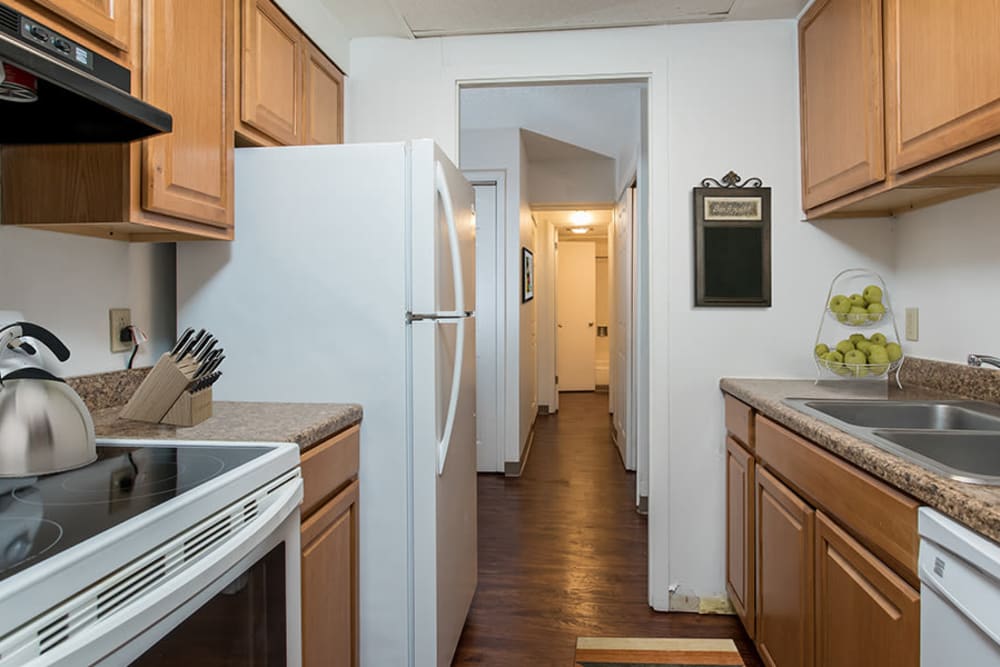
(44, 425)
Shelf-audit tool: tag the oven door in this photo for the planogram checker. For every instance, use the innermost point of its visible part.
(239, 605)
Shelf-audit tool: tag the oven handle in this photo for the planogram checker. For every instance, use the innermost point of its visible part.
(150, 617)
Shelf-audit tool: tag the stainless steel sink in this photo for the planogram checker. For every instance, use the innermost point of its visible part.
(957, 439)
(939, 415)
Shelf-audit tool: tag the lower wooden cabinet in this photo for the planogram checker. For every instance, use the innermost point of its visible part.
(784, 582)
(866, 615)
(330, 551)
(820, 555)
(330, 582)
(740, 532)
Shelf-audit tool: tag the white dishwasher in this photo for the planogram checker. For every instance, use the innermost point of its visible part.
(959, 594)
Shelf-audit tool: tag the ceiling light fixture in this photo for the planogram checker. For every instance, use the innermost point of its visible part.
(580, 218)
(579, 230)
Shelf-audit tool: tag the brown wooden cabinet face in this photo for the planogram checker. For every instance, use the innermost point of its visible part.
(866, 615)
(107, 20)
(740, 532)
(942, 77)
(840, 61)
(324, 99)
(188, 173)
(329, 583)
(271, 72)
(784, 585)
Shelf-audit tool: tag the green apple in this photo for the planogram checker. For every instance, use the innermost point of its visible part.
(840, 305)
(894, 351)
(864, 346)
(858, 300)
(855, 357)
(845, 346)
(875, 311)
(858, 315)
(879, 339)
(878, 359)
(872, 294)
(856, 338)
(821, 349)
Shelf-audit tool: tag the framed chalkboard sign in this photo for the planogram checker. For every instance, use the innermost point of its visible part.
(732, 246)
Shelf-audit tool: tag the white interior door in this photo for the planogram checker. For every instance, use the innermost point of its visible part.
(489, 453)
(622, 339)
(576, 316)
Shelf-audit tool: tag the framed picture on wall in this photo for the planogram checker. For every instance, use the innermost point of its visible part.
(732, 247)
(527, 275)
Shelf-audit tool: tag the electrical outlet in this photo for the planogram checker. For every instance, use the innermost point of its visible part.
(913, 324)
(120, 319)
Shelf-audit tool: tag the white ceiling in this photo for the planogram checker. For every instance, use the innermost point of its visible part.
(432, 18)
(540, 148)
(600, 219)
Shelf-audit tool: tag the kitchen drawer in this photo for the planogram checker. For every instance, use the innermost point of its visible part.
(739, 421)
(328, 467)
(884, 519)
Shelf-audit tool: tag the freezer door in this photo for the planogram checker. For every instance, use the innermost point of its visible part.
(444, 489)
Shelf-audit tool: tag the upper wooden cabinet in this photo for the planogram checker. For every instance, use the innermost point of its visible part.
(108, 20)
(170, 187)
(323, 106)
(271, 56)
(290, 92)
(840, 59)
(942, 77)
(900, 104)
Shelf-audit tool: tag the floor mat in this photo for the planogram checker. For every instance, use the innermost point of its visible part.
(629, 652)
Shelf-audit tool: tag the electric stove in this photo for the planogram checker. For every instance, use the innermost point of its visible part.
(66, 537)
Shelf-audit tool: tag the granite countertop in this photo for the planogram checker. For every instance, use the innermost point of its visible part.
(303, 423)
(974, 505)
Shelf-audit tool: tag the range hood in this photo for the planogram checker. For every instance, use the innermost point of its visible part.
(53, 90)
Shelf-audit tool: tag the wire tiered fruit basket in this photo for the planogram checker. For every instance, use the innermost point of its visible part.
(857, 337)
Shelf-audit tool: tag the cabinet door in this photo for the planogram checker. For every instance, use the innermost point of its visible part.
(107, 20)
(330, 582)
(323, 121)
(942, 78)
(784, 558)
(840, 70)
(866, 615)
(740, 531)
(271, 72)
(188, 173)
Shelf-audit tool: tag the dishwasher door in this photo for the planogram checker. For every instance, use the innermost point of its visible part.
(959, 594)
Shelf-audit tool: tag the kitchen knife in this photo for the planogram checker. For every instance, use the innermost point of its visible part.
(181, 340)
(204, 354)
(202, 344)
(190, 345)
(211, 365)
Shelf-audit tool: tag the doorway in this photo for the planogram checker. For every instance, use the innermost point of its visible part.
(567, 146)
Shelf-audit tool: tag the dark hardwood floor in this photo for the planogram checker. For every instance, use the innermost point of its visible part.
(562, 552)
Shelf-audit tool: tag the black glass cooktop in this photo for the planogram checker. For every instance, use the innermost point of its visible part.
(42, 516)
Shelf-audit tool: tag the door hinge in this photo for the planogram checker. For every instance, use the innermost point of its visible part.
(557, 379)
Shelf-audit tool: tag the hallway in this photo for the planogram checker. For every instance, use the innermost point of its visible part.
(562, 552)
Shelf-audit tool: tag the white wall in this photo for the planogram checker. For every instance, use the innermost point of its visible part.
(528, 371)
(572, 181)
(947, 266)
(323, 28)
(502, 149)
(706, 116)
(67, 283)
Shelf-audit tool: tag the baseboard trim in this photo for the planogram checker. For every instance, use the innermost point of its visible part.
(515, 468)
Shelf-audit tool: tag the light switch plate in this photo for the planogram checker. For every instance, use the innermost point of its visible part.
(119, 318)
(913, 324)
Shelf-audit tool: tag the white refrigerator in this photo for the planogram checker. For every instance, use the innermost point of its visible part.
(351, 279)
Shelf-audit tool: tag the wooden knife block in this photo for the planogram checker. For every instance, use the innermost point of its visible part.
(163, 397)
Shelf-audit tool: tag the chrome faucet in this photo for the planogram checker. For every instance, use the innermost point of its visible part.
(980, 359)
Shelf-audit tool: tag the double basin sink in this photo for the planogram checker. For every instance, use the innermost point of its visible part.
(957, 439)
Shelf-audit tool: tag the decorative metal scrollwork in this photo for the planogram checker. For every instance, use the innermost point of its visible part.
(732, 180)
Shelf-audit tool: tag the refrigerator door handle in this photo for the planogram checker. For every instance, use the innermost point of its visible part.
(441, 184)
(456, 384)
(450, 315)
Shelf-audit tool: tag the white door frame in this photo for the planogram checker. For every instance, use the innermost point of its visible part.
(658, 531)
(497, 177)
